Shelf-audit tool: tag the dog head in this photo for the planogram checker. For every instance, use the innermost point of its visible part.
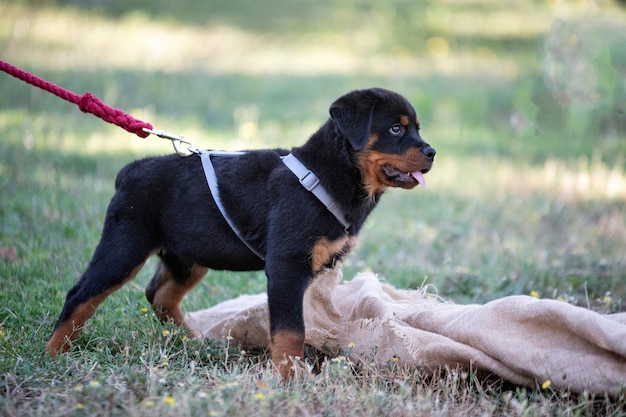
(383, 129)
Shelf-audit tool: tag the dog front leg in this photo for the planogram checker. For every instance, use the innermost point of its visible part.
(285, 297)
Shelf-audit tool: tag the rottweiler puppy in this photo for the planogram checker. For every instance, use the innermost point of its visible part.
(163, 206)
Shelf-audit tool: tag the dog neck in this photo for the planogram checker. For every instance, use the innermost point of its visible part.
(333, 160)
(311, 183)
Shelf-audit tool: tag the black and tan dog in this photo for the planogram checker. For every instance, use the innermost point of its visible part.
(163, 206)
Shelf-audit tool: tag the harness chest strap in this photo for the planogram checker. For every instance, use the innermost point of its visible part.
(311, 183)
(306, 177)
(211, 178)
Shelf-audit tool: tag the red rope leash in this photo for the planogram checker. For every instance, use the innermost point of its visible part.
(86, 103)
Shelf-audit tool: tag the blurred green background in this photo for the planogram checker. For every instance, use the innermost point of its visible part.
(525, 102)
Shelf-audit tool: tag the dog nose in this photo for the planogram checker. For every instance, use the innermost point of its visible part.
(429, 151)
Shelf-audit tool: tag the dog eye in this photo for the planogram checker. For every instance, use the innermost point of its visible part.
(396, 129)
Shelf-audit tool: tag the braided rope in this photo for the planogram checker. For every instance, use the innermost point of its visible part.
(87, 103)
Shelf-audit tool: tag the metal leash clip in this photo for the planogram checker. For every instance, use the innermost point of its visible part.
(177, 141)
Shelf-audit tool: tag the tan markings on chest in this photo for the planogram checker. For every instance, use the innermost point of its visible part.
(325, 252)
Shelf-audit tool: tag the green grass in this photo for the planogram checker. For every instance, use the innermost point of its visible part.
(524, 102)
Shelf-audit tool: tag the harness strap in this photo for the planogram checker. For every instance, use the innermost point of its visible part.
(307, 178)
(209, 173)
(311, 183)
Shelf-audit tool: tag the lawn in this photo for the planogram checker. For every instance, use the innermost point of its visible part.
(525, 102)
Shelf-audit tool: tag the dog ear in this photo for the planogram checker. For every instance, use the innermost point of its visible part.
(353, 115)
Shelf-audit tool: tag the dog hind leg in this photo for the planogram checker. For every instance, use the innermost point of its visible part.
(117, 259)
(172, 280)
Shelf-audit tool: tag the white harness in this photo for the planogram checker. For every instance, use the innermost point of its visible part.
(306, 177)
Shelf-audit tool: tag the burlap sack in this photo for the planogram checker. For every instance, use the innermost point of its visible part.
(521, 339)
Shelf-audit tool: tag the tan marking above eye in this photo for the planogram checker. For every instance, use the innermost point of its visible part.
(404, 120)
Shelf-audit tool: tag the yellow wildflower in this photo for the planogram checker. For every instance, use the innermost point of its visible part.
(535, 217)
(169, 400)
(166, 333)
(144, 310)
(94, 384)
(2, 333)
(351, 345)
(80, 406)
(546, 384)
(534, 293)
(259, 396)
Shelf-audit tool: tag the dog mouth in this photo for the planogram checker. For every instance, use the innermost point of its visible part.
(404, 177)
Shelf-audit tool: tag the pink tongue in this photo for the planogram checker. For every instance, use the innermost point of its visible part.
(419, 177)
